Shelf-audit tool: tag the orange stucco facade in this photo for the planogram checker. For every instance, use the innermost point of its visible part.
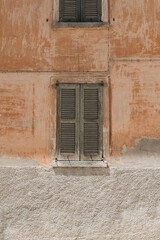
(125, 55)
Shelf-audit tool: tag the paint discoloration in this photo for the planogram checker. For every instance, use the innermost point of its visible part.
(135, 31)
(32, 129)
(24, 115)
(144, 145)
(12, 107)
(28, 41)
(135, 103)
(119, 202)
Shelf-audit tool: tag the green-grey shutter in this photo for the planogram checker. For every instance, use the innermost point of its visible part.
(69, 10)
(90, 10)
(68, 122)
(91, 122)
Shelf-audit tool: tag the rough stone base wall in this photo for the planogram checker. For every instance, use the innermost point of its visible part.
(38, 203)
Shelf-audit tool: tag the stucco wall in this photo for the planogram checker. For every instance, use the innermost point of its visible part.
(135, 31)
(106, 204)
(135, 90)
(28, 42)
(116, 203)
(24, 119)
(28, 113)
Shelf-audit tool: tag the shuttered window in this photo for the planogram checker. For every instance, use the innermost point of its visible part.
(68, 122)
(80, 10)
(79, 122)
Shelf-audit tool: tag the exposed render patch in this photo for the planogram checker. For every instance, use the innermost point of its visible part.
(146, 153)
(144, 145)
(15, 162)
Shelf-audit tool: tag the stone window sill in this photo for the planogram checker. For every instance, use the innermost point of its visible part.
(80, 25)
(81, 164)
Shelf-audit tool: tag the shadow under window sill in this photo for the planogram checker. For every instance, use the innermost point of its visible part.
(80, 25)
(81, 164)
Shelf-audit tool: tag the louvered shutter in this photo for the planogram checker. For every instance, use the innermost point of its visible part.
(91, 122)
(69, 10)
(90, 10)
(68, 122)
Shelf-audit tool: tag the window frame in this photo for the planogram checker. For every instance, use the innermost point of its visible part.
(80, 13)
(58, 24)
(81, 77)
(78, 155)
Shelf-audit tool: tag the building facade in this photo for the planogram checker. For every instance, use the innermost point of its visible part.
(122, 54)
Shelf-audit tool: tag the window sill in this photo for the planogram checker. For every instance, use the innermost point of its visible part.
(80, 25)
(80, 164)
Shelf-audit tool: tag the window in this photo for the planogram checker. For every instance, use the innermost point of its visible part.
(80, 13)
(79, 122)
(80, 10)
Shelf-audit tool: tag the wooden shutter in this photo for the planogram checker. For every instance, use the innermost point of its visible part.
(90, 10)
(91, 122)
(68, 122)
(69, 10)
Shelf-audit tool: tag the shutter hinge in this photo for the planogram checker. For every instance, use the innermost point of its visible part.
(55, 85)
(102, 157)
(52, 86)
(102, 83)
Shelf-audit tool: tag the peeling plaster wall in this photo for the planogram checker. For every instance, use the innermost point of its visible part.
(135, 31)
(28, 42)
(28, 113)
(116, 203)
(135, 102)
(24, 115)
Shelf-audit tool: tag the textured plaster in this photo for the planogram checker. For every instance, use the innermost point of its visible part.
(134, 31)
(88, 204)
(28, 113)
(144, 146)
(104, 17)
(145, 154)
(121, 202)
(135, 103)
(24, 115)
(29, 42)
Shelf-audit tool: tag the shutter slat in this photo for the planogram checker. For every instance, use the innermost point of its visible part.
(91, 8)
(79, 103)
(90, 103)
(68, 102)
(91, 121)
(91, 138)
(69, 10)
(67, 125)
(91, 11)
(68, 112)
